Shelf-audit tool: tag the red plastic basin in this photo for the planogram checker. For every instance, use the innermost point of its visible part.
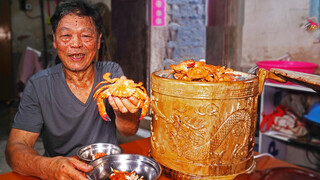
(299, 66)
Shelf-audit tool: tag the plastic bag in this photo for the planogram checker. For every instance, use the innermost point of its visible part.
(282, 119)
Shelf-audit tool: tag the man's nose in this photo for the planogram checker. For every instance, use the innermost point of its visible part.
(76, 42)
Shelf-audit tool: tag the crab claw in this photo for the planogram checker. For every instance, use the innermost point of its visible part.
(102, 108)
(145, 107)
(105, 117)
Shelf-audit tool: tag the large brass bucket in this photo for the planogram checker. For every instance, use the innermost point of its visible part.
(204, 130)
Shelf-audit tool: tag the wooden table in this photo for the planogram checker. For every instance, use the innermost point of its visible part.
(142, 147)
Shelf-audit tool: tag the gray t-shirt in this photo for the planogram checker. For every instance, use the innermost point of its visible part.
(49, 107)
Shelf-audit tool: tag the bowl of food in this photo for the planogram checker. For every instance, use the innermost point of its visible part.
(94, 151)
(124, 166)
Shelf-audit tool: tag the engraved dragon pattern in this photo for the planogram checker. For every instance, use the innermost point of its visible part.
(187, 134)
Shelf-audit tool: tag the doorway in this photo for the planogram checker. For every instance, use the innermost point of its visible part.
(6, 80)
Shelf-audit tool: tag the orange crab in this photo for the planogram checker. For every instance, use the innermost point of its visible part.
(120, 88)
(200, 71)
(181, 70)
(99, 155)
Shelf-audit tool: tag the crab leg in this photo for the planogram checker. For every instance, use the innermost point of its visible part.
(102, 108)
(106, 76)
(97, 93)
(145, 108)
(104, 82)
(139, 103)
(146, 103)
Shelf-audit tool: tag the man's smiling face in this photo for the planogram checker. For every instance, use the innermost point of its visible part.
(76, 41)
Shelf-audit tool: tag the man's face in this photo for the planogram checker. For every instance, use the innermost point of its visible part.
(76, 41)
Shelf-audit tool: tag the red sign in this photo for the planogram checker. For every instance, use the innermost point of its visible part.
(158, 12)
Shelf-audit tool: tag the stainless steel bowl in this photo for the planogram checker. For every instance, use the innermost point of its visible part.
(88, 152)
(142, 165)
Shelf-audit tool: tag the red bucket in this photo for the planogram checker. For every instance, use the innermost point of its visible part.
(299, 66)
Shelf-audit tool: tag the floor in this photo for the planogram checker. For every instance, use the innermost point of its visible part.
(7, 112)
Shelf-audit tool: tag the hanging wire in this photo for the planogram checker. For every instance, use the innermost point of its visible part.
(316, 154)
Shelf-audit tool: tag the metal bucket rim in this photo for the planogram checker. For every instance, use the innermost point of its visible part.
(249, 78)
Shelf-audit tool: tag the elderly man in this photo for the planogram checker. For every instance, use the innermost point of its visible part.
(57, 103)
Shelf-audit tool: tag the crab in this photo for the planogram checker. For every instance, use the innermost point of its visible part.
(200, 71)
(122, 88)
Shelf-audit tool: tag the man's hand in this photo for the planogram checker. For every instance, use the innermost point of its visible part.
(66, 168)
(122, 106)
(127, 114)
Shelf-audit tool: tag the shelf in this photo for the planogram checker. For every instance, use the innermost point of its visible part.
(277, 135)
(290, 86)
(299, 141)
(296, 150)
(267, 104)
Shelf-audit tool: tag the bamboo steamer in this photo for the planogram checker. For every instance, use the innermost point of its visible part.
(204, 130)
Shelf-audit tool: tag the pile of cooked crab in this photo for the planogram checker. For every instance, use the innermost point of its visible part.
(200, 71)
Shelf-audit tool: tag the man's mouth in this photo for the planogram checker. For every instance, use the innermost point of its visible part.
(76, 56)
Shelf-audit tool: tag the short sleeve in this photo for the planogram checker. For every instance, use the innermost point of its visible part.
(115, 69)
(29, 117)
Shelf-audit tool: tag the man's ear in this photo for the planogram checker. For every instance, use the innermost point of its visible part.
(54, 40)
(99, 40)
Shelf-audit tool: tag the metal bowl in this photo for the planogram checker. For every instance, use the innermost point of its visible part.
(88, 152)
(142, 165)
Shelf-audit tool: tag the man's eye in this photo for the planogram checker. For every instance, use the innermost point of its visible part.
(86, 35)
(65, 35)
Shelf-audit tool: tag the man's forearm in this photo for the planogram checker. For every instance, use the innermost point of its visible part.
(25, 160)
(128, 124)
